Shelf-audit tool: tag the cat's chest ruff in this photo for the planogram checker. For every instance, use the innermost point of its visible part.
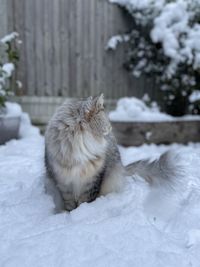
(87, 169)
(87, 159)
(80, 174)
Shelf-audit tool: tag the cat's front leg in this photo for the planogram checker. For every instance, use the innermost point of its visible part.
(70, 203)
(90, 193)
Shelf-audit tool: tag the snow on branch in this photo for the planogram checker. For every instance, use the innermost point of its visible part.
(8, 59)
(164, 42)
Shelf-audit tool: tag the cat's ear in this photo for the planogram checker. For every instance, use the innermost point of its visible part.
(89, 99)
(88, 108)
(99, 102)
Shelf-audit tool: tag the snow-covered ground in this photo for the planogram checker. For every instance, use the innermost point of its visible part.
(137, 227)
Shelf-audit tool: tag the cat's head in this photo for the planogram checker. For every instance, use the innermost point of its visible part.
(86, 116)
(94, 118)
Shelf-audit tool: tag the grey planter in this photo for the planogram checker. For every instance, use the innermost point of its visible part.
(9, 128)
(138, 133)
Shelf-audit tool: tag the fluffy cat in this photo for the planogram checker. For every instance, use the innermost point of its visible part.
(82, 157)
(81, 154)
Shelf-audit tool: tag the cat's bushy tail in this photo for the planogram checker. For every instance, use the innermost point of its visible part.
(166, 170)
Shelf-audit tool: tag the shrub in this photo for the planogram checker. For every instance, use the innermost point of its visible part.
(164, 43)
(8, 59)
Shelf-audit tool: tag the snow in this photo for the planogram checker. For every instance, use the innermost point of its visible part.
(9, 37)
(195, 96)
(132, 109)
(6, 71)
(174, 25)
(169, 25)
(124, 229)
(13, 109)
(19, 84)
(180, 41)
(2, 92)
(26, 129)
(115, 40)
(8, 68)
(133, 5)
(191, 48)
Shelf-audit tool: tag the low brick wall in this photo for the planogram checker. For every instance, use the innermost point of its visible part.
(138, 133)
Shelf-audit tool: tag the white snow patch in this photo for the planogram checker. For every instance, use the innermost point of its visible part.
(193, 237)
(132, 109)
(26, 129)
(13, 109)
(195, 96)
(19, 84)
(169, 25)
(9, 37)
(116, 40)
(8, 68)
(139, 4)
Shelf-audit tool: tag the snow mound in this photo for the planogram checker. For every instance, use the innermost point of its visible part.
(26, 129)
(133, 109)
(13, 109)
(118, 230)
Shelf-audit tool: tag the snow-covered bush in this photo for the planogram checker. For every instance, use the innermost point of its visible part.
(8, 58)
(164, 43)
(194, 100)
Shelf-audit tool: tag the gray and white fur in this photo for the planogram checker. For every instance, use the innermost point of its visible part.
(82, 157)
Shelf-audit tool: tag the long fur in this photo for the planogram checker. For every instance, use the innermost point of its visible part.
(82, 157)
(81, 154)
(164, 171)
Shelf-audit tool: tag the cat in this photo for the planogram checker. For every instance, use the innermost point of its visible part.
(82, 156)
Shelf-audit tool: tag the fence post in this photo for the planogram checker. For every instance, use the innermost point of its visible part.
(3, 18)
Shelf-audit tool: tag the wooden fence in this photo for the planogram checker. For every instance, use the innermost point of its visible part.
(63, 49)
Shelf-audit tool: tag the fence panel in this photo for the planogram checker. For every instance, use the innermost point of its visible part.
(63, 51)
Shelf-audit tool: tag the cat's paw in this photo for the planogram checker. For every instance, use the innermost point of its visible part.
(70, 205)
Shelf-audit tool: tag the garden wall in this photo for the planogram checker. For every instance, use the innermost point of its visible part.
(166, 132)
